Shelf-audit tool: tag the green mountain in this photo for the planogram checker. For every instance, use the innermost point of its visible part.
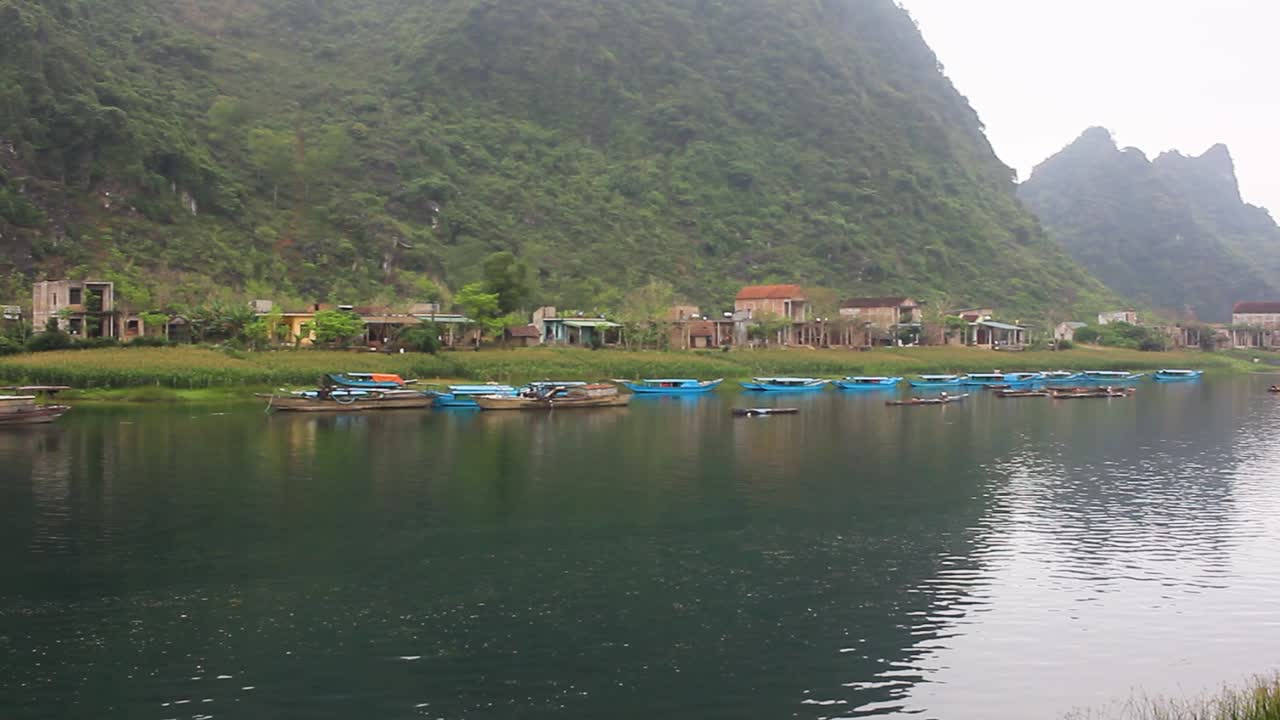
(368, 149)
(1171, 233)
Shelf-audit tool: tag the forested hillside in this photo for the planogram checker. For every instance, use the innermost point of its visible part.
(363, 150)
(1172, 233)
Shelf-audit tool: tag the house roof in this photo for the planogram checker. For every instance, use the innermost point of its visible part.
(771, 292)
(999, 325)
(1075, 325)
(587, 323)
(1256, 308)
(524, 331)
(877, 302)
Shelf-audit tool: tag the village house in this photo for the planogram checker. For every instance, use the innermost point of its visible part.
(882, 318)
(784, 302)
(522, 336)
(981, 330)
(689, 329)
(1066, 331)
(1255, 325)
(1118, 316)
(576, 330)
(83, 308)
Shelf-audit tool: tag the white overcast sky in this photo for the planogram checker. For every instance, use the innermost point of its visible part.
(1160, 74)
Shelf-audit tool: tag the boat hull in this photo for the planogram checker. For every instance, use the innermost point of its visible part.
(857, 384)
(655, 389)
(294, 403)
(926, 401)
(1177, 377)
(563, 403)
(935, 384)
(1110, 379)
(812, 386)
(36, 415)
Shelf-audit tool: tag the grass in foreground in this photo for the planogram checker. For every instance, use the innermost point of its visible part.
(1257, 700)
(193, 368)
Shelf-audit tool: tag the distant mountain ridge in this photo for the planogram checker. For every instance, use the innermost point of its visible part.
(1172, 233)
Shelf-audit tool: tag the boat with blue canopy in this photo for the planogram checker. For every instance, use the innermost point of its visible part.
(464, 396)
(785, 384)
(671, 386)
(1169, 375)
(1110, 377)
(937, 381)
(365, 381)
(1062, 377)
(867, 383)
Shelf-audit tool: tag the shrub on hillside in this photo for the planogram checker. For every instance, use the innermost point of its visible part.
(9, 346)
(46, 341)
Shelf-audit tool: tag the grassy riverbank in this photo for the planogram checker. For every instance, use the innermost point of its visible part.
(1258, 700)
(121, 372)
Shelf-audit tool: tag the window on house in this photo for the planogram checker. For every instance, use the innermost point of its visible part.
(77, 326)
(77, 296)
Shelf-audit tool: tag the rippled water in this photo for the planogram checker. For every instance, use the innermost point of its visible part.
(998, 559)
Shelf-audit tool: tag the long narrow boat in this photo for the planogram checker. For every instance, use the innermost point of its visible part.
(464, 396)
(943, 400)
(1014, 393)
(325, 400)
(23, 410)
(1003, 380)
(1177, 375)
(937, 381)
(764, 412)
(367, 381)
(558, 398)
(1092, 392)
(1110, 377)
(785, 384)
(1061, 377)
(863, 382)
(983, 379)
(672, 386)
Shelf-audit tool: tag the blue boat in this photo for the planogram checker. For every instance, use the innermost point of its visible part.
(1024, 379)
(672, 386)
(1062, 377)
(1177, 375)
(1110, 377)
(1014, 379)
(867, 383)
(366, 381)
(464, 396)
(785, 384)
(937, 381)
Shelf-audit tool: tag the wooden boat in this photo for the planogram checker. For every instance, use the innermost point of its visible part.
(1177, 375)
(671, 386)
(941, 400)
(23, 410)
(366, 381)
(785, 384)
(867, 383)
(327, 400)
(1094, 392)
(558, 398)
(936, 381)
(763, 412)
(1110, 377)
(1274, 389)
(464, 396)
(1015, 393)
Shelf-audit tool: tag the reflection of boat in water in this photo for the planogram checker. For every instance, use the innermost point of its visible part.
(23, 410)
(764, 412)
(330, 400)
(785, 384)
(867, 383)
(671, 386)
(557, 398)
(1177, 375)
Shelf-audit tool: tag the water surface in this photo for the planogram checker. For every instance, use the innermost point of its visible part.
(997, 559)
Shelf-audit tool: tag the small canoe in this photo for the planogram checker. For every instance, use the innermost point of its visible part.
(23, 410)
(867, 383)
(558, 398)
(762, 412)
(1177, 375)
(1023, 393)
(347, 400)
(671, 386)
(945, 400)
(784, 384)
(1087, 393)
(936, 381)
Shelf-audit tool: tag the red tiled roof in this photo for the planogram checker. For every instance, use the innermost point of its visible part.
(1256, 308)
(524, 331)
(771, 292)
(876, 302)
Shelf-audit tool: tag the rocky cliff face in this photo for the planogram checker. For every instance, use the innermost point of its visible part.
(1171, 232)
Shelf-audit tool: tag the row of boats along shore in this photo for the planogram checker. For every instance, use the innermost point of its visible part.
(376, 391)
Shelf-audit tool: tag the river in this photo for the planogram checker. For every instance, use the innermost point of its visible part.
(993, 559)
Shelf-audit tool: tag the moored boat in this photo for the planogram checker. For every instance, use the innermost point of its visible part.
(23, 410)
(464, 396)
(329, 400)
(862, 382)
(1081, 393)
(785, 384)
(557, 398)
(1002, 379)
(944, 399)
(367, 381)
(1110, 376)
(936, 381)
(1168, 375)
(764, 412)
(1060, 377)
(1015, 393)
(671, 386)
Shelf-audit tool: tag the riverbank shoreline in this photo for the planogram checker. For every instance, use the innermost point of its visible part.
(194, 374)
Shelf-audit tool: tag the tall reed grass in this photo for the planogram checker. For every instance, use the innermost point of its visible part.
(1259, 699)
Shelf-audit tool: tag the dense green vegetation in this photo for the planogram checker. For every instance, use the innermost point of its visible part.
(1171, 233)
(193, 367)
(1122, 335)
(366, 150)
(1256, 700)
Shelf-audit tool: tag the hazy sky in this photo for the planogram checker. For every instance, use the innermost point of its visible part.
(1160, 74)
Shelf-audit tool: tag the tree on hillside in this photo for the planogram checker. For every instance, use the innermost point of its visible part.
(508, 278)
(643, 310)
(482, 308)
(273, 156)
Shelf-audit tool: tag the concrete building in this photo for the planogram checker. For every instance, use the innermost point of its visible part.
(1255, 325)
(883, 318)
(784, 302)
(82, 308)
(1118, 316)
(1067, 331)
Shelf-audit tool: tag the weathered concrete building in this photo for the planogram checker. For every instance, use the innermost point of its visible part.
(1067, 331)
(1118, 316)
(784, 302)
(885, 318)
(83, 308)
(1255, 324)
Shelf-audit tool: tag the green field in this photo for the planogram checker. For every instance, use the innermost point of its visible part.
(192, 368)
